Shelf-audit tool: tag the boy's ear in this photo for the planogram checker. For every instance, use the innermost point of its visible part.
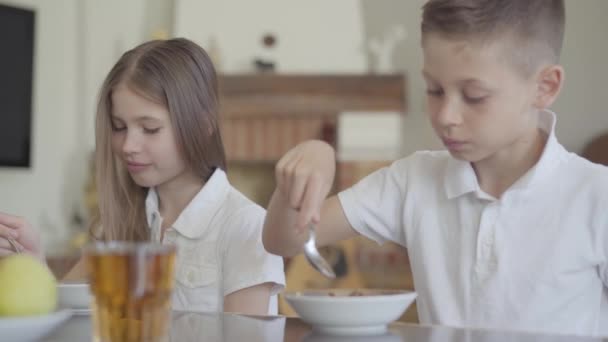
(549, 84)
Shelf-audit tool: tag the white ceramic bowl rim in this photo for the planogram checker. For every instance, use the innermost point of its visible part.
(74, 295)
(369, 295)
(73, 284)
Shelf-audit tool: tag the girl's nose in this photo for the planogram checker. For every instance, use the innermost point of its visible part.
(131, 143)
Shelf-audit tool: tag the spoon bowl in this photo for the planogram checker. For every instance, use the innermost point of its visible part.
(314, 257)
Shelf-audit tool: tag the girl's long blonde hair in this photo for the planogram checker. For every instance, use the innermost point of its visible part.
(179, 75)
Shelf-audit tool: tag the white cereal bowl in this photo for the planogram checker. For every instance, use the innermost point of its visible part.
(350, 312)
(75, 296)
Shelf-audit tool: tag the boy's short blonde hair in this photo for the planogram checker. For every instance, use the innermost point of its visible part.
(536, 27)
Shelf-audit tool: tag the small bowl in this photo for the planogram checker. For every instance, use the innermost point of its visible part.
(349, 311)
(31, 328)
(75, 296)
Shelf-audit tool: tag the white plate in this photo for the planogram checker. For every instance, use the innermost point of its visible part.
(74, 296)
(337, 312)
(31, 328)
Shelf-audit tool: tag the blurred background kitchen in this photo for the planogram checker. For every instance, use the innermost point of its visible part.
(347, 71)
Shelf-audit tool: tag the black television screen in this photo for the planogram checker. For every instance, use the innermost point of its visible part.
(16, 66)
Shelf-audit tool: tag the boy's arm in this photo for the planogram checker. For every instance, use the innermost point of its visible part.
(282, 237)
(304, 178)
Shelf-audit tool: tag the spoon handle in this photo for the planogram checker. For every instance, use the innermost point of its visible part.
(14, 245)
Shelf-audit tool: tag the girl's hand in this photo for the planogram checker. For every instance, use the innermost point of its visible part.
(26, 237)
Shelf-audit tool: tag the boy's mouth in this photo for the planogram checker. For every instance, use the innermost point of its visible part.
(452, 144)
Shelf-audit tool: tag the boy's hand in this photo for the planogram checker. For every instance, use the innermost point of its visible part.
(27, 239)
(304, 177)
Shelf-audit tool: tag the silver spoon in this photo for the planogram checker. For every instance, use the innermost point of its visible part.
(314, 257)
(14, 244)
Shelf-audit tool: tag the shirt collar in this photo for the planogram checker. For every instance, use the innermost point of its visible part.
(196, 218)
(460, 177)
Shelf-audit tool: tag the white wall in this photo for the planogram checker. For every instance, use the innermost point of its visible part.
(582, 109)
(77, 42)
(380, 16)
(313, 35)
(110, 27)
(38, 193)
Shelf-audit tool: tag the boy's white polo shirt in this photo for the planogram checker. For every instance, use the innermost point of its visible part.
(219, 247)
(535, 259)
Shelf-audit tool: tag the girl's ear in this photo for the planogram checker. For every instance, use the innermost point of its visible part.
(549, 83)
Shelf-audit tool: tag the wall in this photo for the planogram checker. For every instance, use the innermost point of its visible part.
(379, 17)
(103, 43)
(39, 193)
(313, 36)
(77, 42)
(580, 109)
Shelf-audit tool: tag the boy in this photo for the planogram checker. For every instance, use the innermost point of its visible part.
(505, 229)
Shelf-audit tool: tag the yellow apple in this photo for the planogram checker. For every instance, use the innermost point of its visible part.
(27, 287)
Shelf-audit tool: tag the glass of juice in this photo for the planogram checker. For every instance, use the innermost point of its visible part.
(131, 284)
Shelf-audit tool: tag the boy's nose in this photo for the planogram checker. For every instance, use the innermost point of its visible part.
(449, 115)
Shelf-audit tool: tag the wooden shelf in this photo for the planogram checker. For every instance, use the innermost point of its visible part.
(310, 95)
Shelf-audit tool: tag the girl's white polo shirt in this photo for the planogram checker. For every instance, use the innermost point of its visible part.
(219, 247)
(535, 259)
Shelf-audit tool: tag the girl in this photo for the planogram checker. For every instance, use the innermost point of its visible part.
(161, 177)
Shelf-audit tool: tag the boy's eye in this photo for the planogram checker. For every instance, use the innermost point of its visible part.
(151, 130)
(474, 100)
(434, 92)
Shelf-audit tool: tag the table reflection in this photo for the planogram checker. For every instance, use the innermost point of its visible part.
(217, 327)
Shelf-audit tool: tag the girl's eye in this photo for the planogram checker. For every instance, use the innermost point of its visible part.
(117, 128)
(151, 130)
